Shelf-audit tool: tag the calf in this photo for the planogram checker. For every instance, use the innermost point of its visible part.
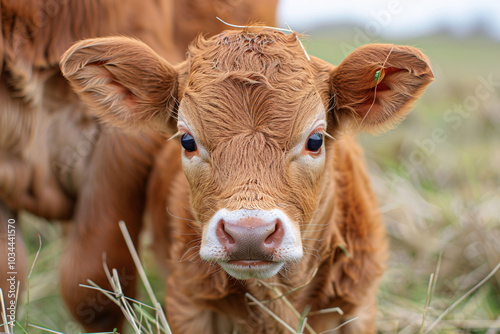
(265, 180)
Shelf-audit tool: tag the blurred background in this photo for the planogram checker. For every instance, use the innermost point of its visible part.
(437, 175)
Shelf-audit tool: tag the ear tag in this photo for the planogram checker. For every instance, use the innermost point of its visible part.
(379, 75)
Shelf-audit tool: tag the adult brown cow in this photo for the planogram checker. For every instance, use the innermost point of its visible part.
(56, 160)
(260, 194)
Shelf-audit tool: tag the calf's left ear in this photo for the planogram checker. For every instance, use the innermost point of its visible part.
(377, 85)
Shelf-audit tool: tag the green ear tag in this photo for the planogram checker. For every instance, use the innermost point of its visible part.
(377, 75)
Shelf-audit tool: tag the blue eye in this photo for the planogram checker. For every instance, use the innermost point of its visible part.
(314, 142)
(187, 141)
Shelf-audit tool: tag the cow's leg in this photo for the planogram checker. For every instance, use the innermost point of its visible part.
(12, 258)
(36, 190)
(114, 190)
(27, 180)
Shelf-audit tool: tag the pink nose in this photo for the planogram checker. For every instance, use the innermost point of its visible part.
(250, 238)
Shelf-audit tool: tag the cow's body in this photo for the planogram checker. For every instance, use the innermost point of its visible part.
(259, 192)
(57, 162)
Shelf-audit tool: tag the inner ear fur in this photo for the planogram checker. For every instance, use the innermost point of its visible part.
(361, 102)
(125, 82)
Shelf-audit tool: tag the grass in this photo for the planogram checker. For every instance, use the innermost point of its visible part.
(446, 211)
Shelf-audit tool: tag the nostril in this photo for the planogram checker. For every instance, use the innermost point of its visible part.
(224, 237)
(276, 235)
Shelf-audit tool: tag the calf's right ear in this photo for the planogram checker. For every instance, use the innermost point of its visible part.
(124, 81)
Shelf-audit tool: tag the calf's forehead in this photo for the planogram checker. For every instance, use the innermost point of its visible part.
(243, 83)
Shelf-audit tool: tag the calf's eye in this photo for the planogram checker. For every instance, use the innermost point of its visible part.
(187, 141)
(314, 142)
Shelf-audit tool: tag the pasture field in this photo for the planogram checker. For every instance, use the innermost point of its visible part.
(437, 177)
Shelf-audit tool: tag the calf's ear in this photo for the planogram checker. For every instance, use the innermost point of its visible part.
(377, 85)
(124, 81)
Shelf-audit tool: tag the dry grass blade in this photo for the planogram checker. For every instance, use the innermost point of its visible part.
(143, 276)
(375, 91)
(123, 302)
(288, 30)
(56, 332)
(28, 282)
(149, 318)
(301, 317)
(4, 313)
(109, 294)
(45, 329)
(328, 310)
(430, 291)
(459, 300)
(427, 302)
(271, 313)
(117, 295)
(116, 286)
(287, 302)
(163, 318)
(137, 261)
(132, 319)
(105, 292)
(281, 295)
(436, 275)
(340, 326)
(157, 323)
(140, 321)
(36, 255)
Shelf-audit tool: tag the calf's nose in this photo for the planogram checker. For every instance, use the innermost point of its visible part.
(250, 238)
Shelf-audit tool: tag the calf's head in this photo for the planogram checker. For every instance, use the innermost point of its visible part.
(252, 114)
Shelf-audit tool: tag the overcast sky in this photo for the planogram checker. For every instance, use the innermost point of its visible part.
(394, 18)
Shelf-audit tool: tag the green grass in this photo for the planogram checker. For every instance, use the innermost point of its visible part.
(450, 205)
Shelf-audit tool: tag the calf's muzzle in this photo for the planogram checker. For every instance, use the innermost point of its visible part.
(250, 238)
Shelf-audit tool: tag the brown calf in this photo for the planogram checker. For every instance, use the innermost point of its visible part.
(253, 188)
(56, 160)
